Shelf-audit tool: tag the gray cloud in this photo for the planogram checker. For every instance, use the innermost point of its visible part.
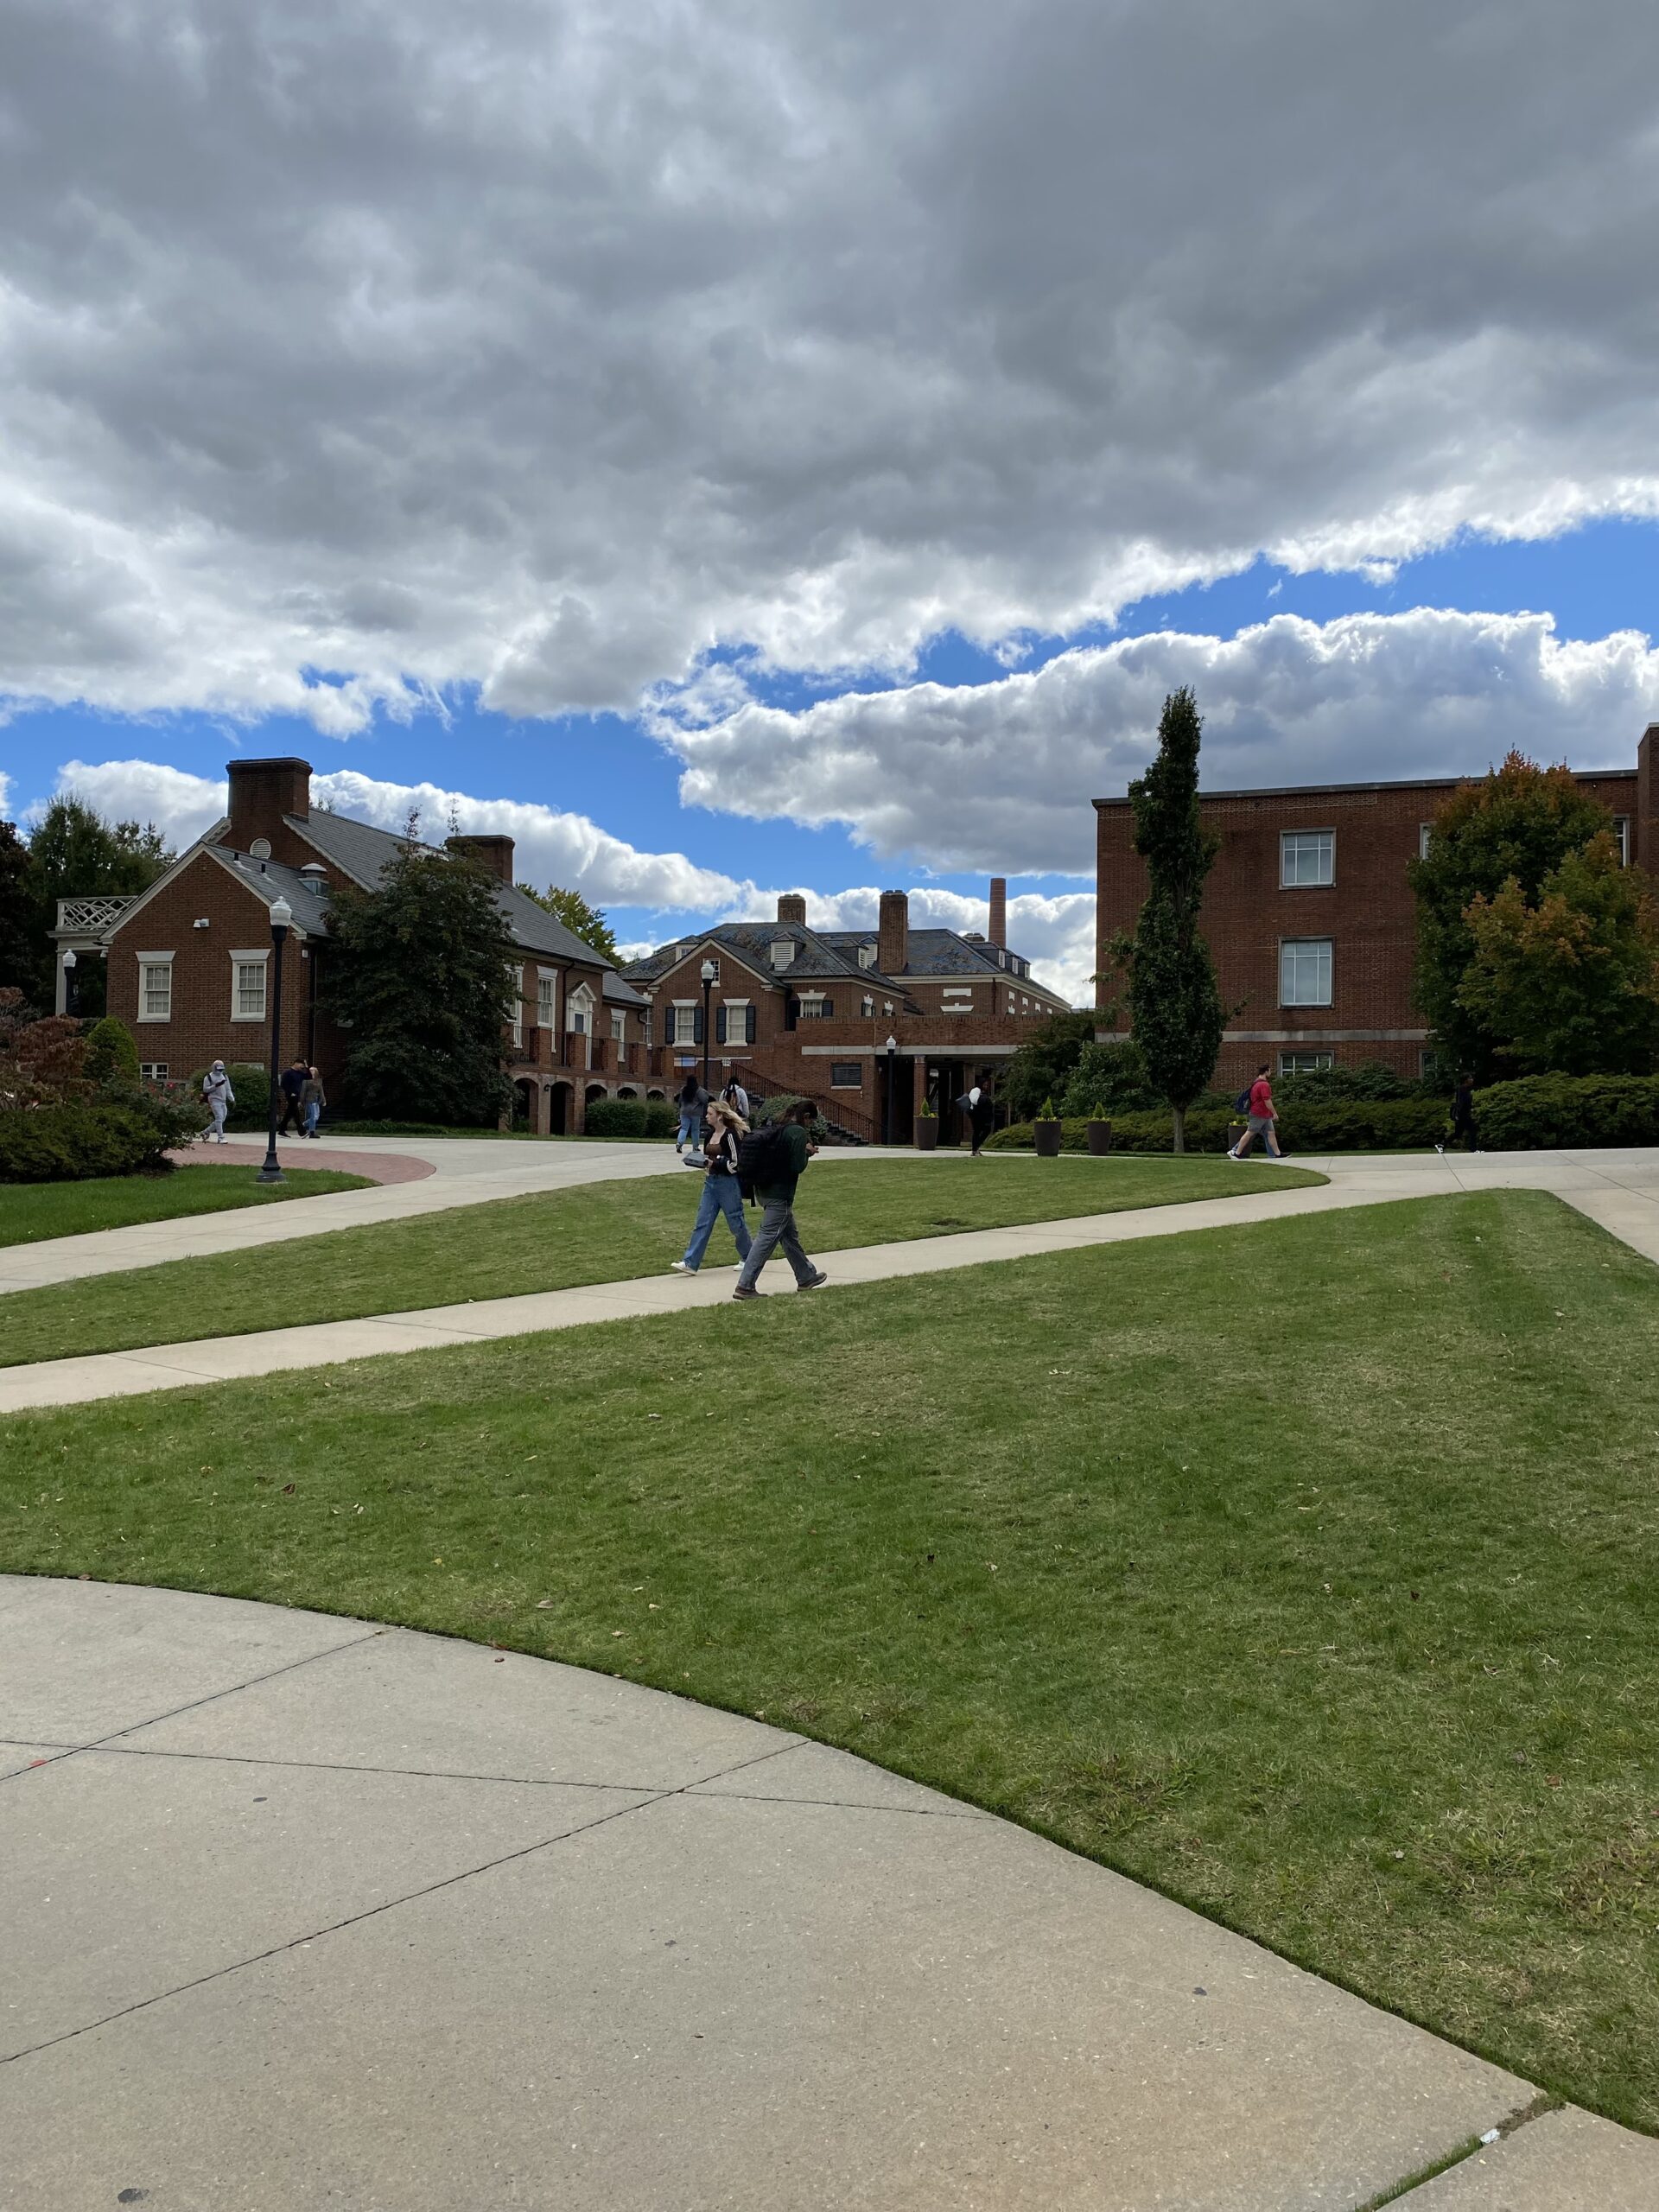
(544, 347)
(1000, 775)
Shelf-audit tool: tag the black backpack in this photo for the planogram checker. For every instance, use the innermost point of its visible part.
(1242, 1103)
(762, 1157)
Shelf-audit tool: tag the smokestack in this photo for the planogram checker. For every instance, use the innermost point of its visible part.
(262, 792)
(998, 930)
(495, 853)
(791, 908)
(893, 933)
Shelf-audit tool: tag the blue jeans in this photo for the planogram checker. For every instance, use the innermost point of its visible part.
(311, 1113)
(777, 1227)
(720, 1196)
(690, 1123)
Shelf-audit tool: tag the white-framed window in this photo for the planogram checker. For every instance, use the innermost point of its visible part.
(248, 969)
(846, 1075)
(619, 1028)
(153, 1071)
(680, 1022)
(579, 1012)
(1306, 856)
(1305, 1063)
(1622, 837)
(155, 986)
(815, 1007)
(1425, 831)
(1305, 971)
(547, 996)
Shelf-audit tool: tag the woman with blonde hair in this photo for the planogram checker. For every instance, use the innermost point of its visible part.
(721, 1194)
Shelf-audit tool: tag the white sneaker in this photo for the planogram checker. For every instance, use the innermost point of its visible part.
(680, 1267)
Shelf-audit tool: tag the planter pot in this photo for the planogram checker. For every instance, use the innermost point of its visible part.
(1100, 1138)
(927, 1133)
(1234, 1130)
(1047, 1134)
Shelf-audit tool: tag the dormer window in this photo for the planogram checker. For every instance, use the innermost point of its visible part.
(783, 954)
(867, 955)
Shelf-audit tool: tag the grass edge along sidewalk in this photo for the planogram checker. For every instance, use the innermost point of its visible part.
(601, 1232)
(31, 1213)
(1305, 1570)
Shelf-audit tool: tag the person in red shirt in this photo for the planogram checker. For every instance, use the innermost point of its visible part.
(1262, 1118)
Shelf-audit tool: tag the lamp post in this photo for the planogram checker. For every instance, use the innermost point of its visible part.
(892, 1048)
(709, 971)
(69, 984)
(281, 915)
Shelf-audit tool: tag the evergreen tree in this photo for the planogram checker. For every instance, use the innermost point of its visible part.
(1175, 1008)
(25, 917)
(1519, 823)
(80, 855)
(420, 967)
(1042, 1065)
(588, 923)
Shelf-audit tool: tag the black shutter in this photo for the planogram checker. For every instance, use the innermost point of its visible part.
(828, 1009)
(748, 1027)
(720, 1027)
(697, 1024)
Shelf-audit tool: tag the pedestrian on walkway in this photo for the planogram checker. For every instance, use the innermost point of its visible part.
(313, 1098)
(1263, 1117)
(788, 1149)
(690, 1099)
(721, 1191)
(216, 1090)
(981, 1117)
(292, 1081)
(736, 1097)
(1463, 1116)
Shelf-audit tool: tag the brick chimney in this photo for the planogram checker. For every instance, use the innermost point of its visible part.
(1644, 844)
(495, 853)
(997, 929)
(791, 908)
(262, 792)
(893, 933)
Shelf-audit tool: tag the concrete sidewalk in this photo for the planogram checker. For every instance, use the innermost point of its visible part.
(304, 1913)
(1623, 1197)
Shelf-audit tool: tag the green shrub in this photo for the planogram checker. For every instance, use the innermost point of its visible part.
(251, 1084)
(618, 1117)
(1340, 1125)
(109, 1054)
(661, 1120)
(1539, 1112)
(70, 1143)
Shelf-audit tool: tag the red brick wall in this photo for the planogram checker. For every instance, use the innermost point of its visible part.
(1368, 913)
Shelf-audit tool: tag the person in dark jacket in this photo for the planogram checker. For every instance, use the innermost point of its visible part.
(721, 1194)
(777, 1197)
(292, 1081)
(691, 1100)
(1463, 1116)
(981, 1117)
(313, 1098)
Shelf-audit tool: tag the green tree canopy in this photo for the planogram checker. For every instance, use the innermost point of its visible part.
(25, 917)
(1517, 824)
(1042, 1065)
(1568, 982)
(588, 923)
(1175, 1009)
(80, 855)
(420, 968)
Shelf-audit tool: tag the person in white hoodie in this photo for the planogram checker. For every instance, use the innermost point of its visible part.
(216, 1090)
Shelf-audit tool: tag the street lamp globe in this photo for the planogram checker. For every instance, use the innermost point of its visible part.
(710, 973)
(281, 913)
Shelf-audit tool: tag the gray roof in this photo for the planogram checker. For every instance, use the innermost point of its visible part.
(617, 992)
(362, 852)
(816, 957)
(270, 881)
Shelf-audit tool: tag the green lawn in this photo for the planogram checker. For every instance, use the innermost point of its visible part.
(605, 1233)
(1309, 1571)
(30, 1212)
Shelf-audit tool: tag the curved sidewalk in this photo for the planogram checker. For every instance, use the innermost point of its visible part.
(303, 1912)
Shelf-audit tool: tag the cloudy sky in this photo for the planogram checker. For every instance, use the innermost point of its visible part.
(733, 445)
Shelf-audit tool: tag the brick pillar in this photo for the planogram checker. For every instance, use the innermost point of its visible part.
(262, 792)
(791, 908)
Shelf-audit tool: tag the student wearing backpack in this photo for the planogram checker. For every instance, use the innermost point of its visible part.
(774, 1159)
(721, 1193)
(219, 1097)
(1257, 1103)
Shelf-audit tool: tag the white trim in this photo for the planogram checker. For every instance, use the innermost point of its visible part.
(259, 956)
(154, 960)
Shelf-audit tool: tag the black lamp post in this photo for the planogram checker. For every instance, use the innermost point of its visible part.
(892, 1077)
(281, 915)
(709, 972)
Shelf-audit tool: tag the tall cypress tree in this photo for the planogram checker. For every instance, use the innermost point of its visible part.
(1174, 1005)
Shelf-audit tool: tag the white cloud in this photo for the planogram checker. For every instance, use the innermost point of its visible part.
(351, 350)
(998, 776)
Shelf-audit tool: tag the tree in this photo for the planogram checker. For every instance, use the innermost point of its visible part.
(588, 923)
(1041, 1067)
(1570, 982)
(421, 971)
(25, 917)
(1175, 1009)
(80, 855)
(41, 1061)
(111, 1056)
(1517, 823)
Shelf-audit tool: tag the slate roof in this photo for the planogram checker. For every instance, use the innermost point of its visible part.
(271, 881)
(817, 956)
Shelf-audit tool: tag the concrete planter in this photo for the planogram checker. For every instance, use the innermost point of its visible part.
(1100, 1138)
(1048, 1136)
(927, 1133)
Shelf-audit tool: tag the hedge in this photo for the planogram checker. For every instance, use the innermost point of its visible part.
(617, 1117)
(1307, 1125)
(251, 1083)
(111, 1055)
(1541, 1112)
(70, 1143)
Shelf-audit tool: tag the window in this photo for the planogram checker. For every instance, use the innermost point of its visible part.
(1305, 1063)
(547, 985)
(155, 986)
(579, 1012)
(735, 1024)
(867, 955)
(153, 1071)
(814, 1007)
(680, 1022)
(714, 978)
(619, 1028)
(846, 1075)
(248, 983)
(1305, 971)
(1306, 856)
(1622, 833)
(1425, 831)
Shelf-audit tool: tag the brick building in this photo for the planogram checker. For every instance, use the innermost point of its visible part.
(1309, 915)
(868, 1022)
(189, 959)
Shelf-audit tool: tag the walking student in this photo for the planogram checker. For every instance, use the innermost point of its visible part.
(1262, 1118)
(313, 1099)
(1463, 1116)
(216, 1090)
(690, 1099)
(736, 1097)
(721, 1191)
(292, 1081)
(775, 1187)
(982, 1114)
